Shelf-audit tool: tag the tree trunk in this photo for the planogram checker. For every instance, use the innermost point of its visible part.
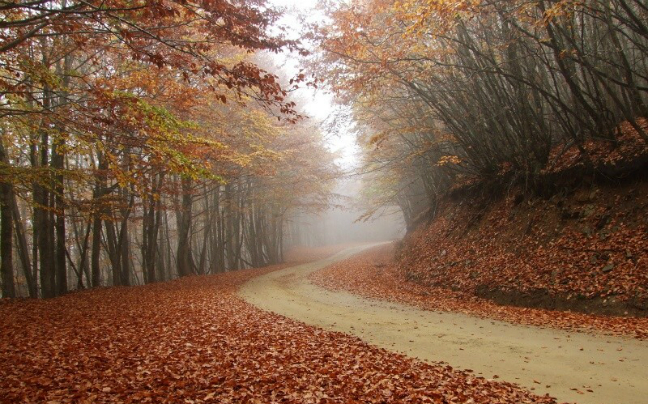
(184, 218)
(23, 250)
(97, 222)
(6, 234)
(113, 252)
(150, 229)
(60, 258)
(42, 222)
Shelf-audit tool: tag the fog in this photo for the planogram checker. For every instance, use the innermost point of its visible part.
(344, 223)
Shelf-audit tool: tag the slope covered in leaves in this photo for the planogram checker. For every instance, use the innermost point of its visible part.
(375, 274)
(192, 340)
(586, 250)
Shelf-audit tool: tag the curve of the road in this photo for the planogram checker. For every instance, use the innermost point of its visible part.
(573, 367)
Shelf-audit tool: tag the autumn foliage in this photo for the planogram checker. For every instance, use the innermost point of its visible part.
(147, 140)
(194, 340)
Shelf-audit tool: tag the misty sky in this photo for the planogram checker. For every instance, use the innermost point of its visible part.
(318, 104)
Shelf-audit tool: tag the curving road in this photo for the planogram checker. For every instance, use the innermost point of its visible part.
(573, 367)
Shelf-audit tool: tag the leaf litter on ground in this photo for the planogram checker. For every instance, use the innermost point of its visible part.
(193, 340)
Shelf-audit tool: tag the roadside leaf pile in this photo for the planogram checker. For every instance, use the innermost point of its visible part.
(375, 274)
(194, 341)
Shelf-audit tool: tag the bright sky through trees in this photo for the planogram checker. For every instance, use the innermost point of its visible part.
(318, 104)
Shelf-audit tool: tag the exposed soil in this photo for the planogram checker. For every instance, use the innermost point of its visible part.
(542, 299)
(571, 366)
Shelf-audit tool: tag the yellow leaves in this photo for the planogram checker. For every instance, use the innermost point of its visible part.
(561, 9)
(122, 176)
(446, 160)
(378, 138)
(242, 160)
(433, 17)
(566, 53)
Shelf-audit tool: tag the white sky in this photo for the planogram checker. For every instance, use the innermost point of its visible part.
(319, 104)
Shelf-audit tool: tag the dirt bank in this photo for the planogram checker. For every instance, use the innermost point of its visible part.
(573, 367)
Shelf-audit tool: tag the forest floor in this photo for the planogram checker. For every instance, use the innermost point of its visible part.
(193, 340)
(584, 367)
(583, 248)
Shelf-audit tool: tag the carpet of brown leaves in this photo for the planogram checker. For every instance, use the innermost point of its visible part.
(194, 341)
(587, 249)
(628, 148)
(374, 274)
(581, 246)
(584, 246)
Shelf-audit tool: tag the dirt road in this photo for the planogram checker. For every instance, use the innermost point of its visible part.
(572, 367)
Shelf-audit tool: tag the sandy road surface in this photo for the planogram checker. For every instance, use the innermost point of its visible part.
(572, 367)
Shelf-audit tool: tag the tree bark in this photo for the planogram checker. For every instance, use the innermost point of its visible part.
(6, 234)
(184, 218)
